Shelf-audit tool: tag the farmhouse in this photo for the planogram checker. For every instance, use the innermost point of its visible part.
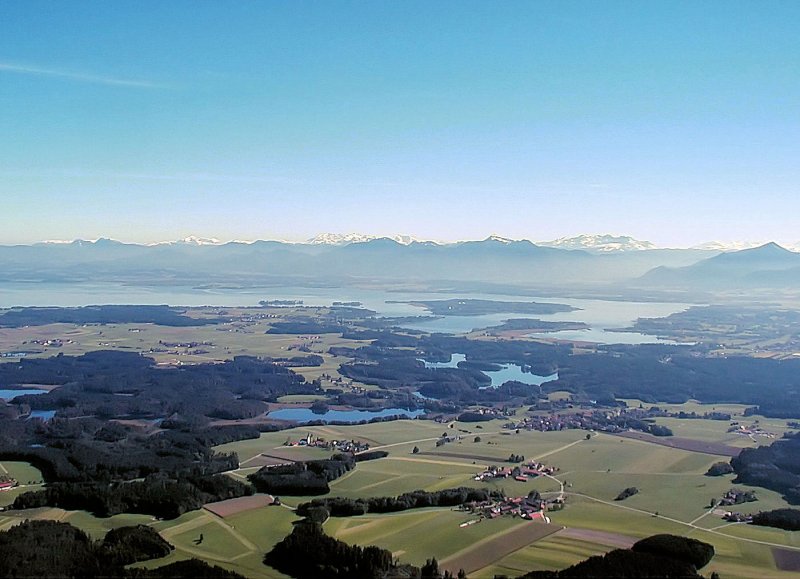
(7, 483)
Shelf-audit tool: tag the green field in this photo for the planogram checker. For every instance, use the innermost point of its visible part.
(28, 476)
(670, 481)
(594, 471)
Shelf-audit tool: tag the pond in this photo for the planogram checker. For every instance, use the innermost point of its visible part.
(43, 414)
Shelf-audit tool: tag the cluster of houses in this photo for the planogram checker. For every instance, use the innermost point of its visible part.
(532, 508)
(751, 431)
(519, 473)
(737, 517)
(602, 420)
(731, 498)
(737, 497)
(49, 343)
(352, 446)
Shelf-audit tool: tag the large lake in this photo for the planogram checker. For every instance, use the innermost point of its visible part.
(600, 315)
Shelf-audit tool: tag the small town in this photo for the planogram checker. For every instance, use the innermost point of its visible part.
(519, 473)
(310, 440)
(531, 507)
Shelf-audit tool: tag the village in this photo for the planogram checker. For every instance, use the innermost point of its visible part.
(352, 446)
(531, 507)
(519, 473)
(731, 498)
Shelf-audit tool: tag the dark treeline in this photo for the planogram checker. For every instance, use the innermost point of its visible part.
(302, 478)
(344, 507)
(305, 328)
(370, 455)
(155, 495)
(786, 519)
(655, 373)
(53, 549)
(775, 467)
(659, 556)
(87, 449)
(309, 552)
(106, 314)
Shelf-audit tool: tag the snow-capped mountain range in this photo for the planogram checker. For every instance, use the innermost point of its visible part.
(599, 243)
(346, 238)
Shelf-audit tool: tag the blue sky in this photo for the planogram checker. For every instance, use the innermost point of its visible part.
(676, 122)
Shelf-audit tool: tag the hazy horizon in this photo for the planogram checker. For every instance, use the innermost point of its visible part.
(358, 237)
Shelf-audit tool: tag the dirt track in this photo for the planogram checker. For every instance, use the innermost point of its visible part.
(233, 506)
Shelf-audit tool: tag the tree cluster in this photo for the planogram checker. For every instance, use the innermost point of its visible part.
(302, 478)
(660, 556)
(719, 469)
(786, 519)
(309, 552)
(346, 507)
(155, 495)
(628, 492)
(775, 467)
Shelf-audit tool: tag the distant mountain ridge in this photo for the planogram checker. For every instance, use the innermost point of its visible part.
(765, 266)
(596, 243)
(334, 260)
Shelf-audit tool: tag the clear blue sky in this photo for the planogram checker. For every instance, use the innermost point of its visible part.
(676, 122)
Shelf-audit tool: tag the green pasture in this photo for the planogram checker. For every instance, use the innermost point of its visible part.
(415, 536)
(28, 476)
(97, 527)
(625, 455)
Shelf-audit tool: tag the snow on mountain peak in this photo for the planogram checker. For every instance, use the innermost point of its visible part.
(347, 238)
(499, 239)
(599, 243)
(191, 240)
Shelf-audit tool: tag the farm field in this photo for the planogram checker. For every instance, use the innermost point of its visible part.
(28, 476)
(593, 471)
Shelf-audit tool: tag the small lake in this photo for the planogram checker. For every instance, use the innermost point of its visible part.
(43, 414)
(506, 373)
(352, 416)
(10, 394)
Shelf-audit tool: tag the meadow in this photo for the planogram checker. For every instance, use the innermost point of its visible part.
(674, 494)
